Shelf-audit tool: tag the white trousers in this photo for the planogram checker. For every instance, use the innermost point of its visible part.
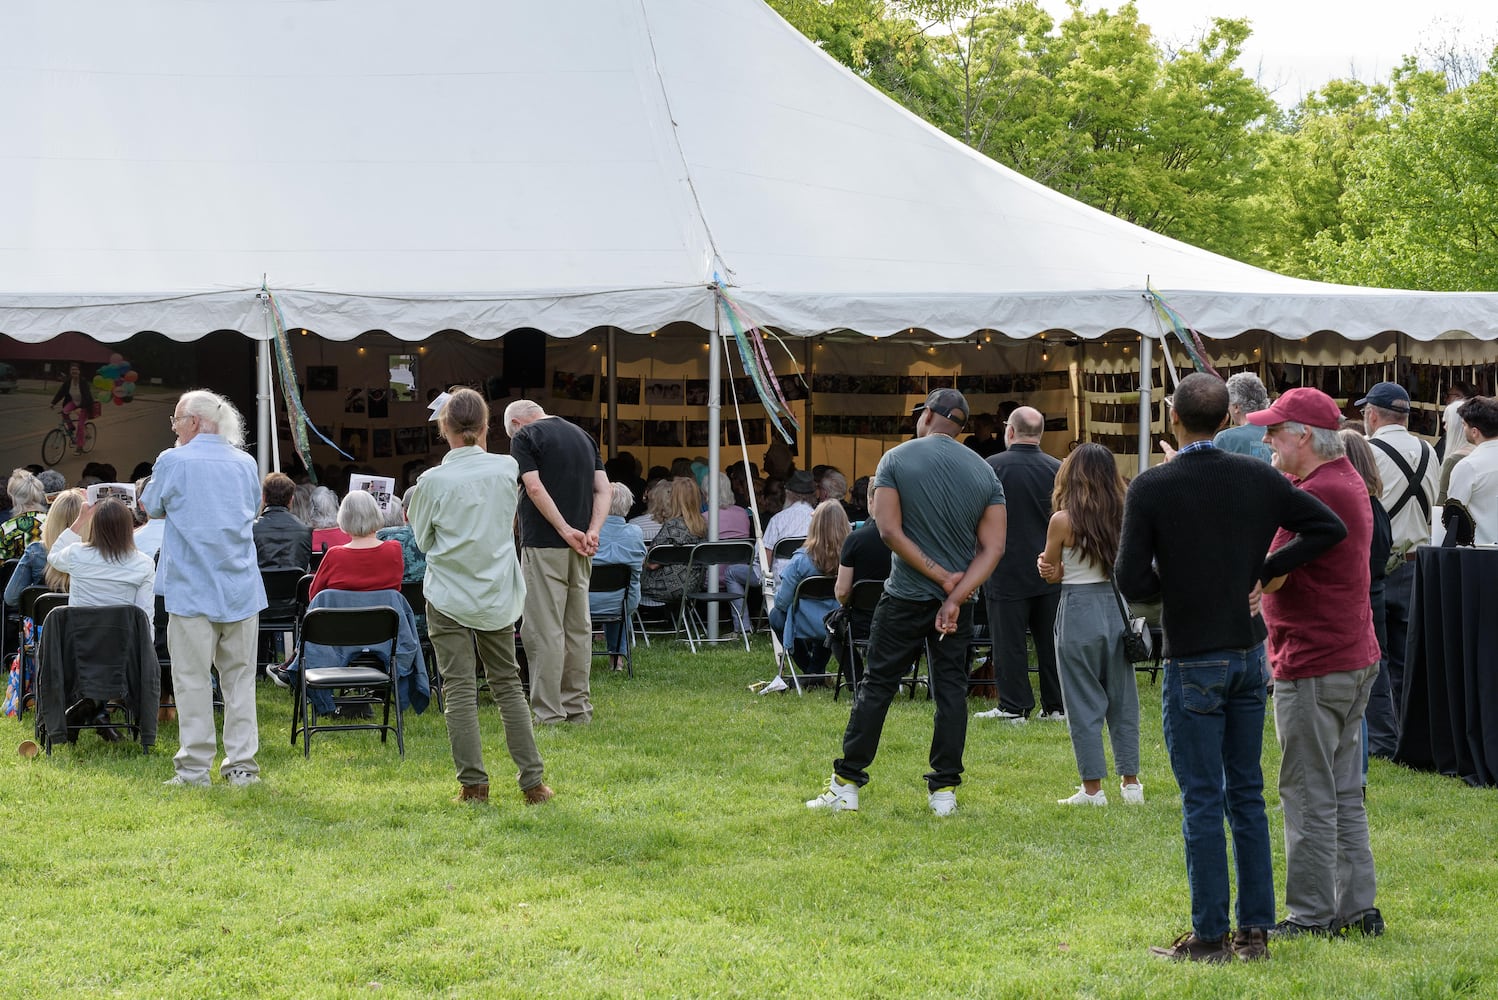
(197, 645)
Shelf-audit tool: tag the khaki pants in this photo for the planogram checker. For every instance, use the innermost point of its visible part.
(456, 646)
(558, 633)
(197, 645)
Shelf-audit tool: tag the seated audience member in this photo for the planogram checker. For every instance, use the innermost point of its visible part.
(860, 502)
(413, 560)
(33, 570)
(733, 520)
(148, 530)
(657, 509)
(864, 557)
(363, 562)
(1474, 480)
(805, 636)
(771, 499)
(141, 471)
(107, 569)
(323, 511)
(28, 514)
(301, 503)
(833, 485)
(789, 522)
(54, 482)
(625, 468)
(281, 541)
(619, 544)
(685, 526)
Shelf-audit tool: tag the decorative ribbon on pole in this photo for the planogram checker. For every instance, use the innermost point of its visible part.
(1188, 337)
(296, 413)
(749, 337)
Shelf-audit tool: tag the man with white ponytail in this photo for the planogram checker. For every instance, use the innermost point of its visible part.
(208, 490)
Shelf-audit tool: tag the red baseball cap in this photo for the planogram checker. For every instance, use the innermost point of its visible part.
(1304, 405)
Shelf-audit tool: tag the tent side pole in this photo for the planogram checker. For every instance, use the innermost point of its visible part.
(714, 456)
(263, 416)
(612, 381)
(1146, 391)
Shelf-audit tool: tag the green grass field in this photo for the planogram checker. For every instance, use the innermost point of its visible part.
(678, 860)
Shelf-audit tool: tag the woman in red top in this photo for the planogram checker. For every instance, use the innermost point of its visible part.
(364, 562)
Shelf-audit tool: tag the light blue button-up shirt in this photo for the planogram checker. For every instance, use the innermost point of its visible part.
(209, 494)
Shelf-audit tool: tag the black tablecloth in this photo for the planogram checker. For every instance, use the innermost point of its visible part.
(1450, 702)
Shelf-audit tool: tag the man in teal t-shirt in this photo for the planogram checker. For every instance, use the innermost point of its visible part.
(940, 509)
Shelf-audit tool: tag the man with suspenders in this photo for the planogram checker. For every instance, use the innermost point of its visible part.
(1410, 471)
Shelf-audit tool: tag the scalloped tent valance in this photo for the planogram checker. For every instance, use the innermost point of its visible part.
(405, 166)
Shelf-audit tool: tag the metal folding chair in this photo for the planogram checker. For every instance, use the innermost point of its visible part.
(664, 555)
(811, 588)
(368, 627)
(610, 578)
(707, 555)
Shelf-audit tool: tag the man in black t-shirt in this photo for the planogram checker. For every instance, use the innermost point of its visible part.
(563, 505)
(864, 557)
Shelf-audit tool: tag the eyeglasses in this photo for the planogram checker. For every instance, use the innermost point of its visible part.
(174, 420)
(1273, 429)
(1170, 401)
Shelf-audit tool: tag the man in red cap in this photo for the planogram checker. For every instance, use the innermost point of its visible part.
(1325, 657)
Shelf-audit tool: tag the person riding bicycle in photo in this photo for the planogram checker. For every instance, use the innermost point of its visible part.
(74, 396)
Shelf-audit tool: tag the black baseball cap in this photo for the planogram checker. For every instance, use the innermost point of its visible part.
(947, 403)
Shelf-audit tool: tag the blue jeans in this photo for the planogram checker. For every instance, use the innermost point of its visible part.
(1213, 706)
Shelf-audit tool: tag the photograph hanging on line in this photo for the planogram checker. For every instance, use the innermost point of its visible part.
(402, 387)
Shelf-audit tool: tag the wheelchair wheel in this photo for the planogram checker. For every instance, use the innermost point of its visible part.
(90, 435)
(54, 447)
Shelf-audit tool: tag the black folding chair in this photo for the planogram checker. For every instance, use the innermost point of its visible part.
(664, 555)
(979, 644)
(415, 595)
(612, 578)
(865, 598)
(707, 555)
(366, 627)
(10, 626)
(102, 692)
(784, 549)
(36, 603)
(280, 616)
(811, 588)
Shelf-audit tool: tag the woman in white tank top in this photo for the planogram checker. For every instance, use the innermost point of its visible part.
(1097, 680)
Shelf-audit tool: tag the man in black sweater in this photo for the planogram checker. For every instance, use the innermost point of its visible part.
(1195, 535)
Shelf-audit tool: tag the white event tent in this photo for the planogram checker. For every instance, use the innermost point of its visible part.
(486, 165)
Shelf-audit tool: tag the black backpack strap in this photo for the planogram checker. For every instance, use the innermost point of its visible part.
(1412, 477)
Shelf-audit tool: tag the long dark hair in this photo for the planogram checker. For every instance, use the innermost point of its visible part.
(112, 531)
(1090, 490)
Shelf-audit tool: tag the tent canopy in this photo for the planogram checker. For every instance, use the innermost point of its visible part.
(412, 167)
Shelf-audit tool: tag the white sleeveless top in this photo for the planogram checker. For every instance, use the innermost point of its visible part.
(1077, 568)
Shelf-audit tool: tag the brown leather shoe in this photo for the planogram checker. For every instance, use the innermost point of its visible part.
(537, 794)
(1190, 948)
(1250, 944)
(478, 794)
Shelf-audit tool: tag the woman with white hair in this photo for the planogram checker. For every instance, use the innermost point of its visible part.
(27, 516)
(397, 530)
(657, 509)
(733, 520)
(363, 562)
(325, 514)
(619, 543)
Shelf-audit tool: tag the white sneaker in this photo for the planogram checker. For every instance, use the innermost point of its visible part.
(944, 801)
(838, 797)
(177, 781)
(998, 713)
(242, 779)
(1052, 716)
(1081, 798)
(1133, 794)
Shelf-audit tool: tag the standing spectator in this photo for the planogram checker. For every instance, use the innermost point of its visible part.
(322, 506)
(1325, 656)
(982, 440)
(77, 402)
(619, 544)
(1195, 535)
(413, 562)
(1410, 473)
(1097, 680)
(566, 501)
(208, 490)
(28, 514)
(1017, 596)
(363, 562)
(941, 511)
(805, 637)
(1360, 454)
(1474, 481)
(34, 570)
(148, 535)
(463, 513)
(1246, 394)
(1454, 436)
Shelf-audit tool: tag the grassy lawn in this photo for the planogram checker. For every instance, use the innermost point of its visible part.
(678, 860)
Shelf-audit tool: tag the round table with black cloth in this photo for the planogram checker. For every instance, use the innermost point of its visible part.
(1450, 698)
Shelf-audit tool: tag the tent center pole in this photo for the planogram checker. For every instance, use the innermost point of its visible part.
(714, 457)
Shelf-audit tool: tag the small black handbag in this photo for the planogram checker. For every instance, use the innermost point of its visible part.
(1139, 641)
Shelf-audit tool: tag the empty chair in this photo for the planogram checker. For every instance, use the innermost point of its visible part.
(705, 556)
(366, 629)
